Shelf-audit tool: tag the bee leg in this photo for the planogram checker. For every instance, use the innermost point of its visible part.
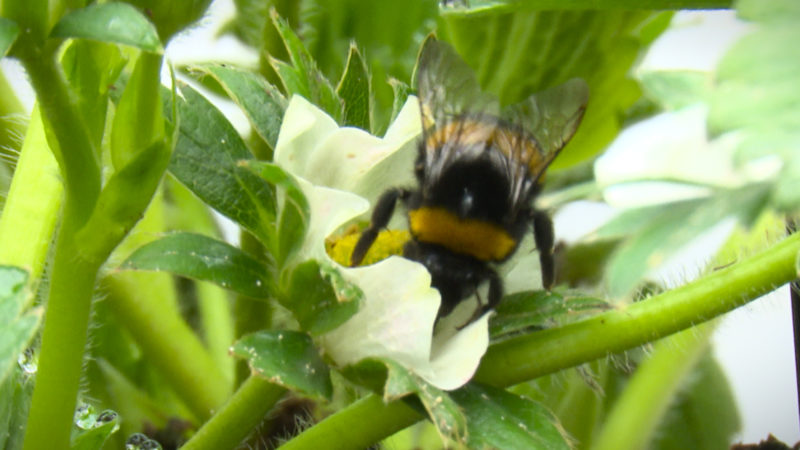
(495, 295)
(544, 236)
(380, 217)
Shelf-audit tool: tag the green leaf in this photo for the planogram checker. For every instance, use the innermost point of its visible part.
(518, 53)
(755, 96)
(16, 329)
(206, 259)
(445, 413)
(261, 102)
(354, 91)
(287, 358)
(15, 400)
(294, 211)
(302, 76)
(704, 416)
(207, 161)
(388, 34)
(119, 23)
(97, 433)
(320, 298)
(540, 309)
(400, 91)
(393, 381)
(676, 89)
(499, 419)
(9, 30)
(139, 120)
(673, 226)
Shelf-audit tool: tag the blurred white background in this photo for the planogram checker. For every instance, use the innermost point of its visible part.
(753, 343)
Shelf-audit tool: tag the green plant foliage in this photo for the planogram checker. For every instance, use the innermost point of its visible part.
(15, 398)
(286, 358)
(442, 410)
(294, 212)
(320, 298)
(704, 414)
(354, 91)
(16, 328)
(531, 310)
(656, 232)
(93, 430)
(92, 68)
(302, 76)
(754, 92)
(8, 34)
(207, 259)
(499, 419)
(261, 102)
(207, 161)
(518, 53)
(110, 22)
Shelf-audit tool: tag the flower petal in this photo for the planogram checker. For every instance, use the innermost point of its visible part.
(396, 318)
(303, 127)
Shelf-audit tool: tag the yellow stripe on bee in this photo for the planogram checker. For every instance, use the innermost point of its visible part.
(510, 142)
(483, 240)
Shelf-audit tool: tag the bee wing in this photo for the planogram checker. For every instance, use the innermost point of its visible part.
(447, 87)
(551, 117)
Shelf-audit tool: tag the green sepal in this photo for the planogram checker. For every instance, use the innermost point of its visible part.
(286, 358)
(354, 90)
(9, 30)
(320, 298)
(303, 77)
(293, 210)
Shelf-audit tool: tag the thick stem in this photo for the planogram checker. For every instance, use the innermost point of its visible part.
(73, 278)
(530, 356)
(237, 418)
(63, 342)
(358, 426)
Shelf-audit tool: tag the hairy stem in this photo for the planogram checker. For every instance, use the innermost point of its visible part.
(527, 357)
(237, 418)
(73, 278)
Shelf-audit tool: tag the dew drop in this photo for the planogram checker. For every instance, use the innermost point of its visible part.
(85, 417)
(28, 361)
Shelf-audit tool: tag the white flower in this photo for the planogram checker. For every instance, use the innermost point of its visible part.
(342, 171)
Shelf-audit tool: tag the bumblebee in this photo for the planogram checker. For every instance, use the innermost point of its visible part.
(479, 169)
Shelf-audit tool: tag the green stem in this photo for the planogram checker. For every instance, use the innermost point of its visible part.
(168, 342)
(63, 341)
(638, 411)
(237, 418)
(606, 5)
(358, 426)
(72, 146)
(528, 357)
(73, 278)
